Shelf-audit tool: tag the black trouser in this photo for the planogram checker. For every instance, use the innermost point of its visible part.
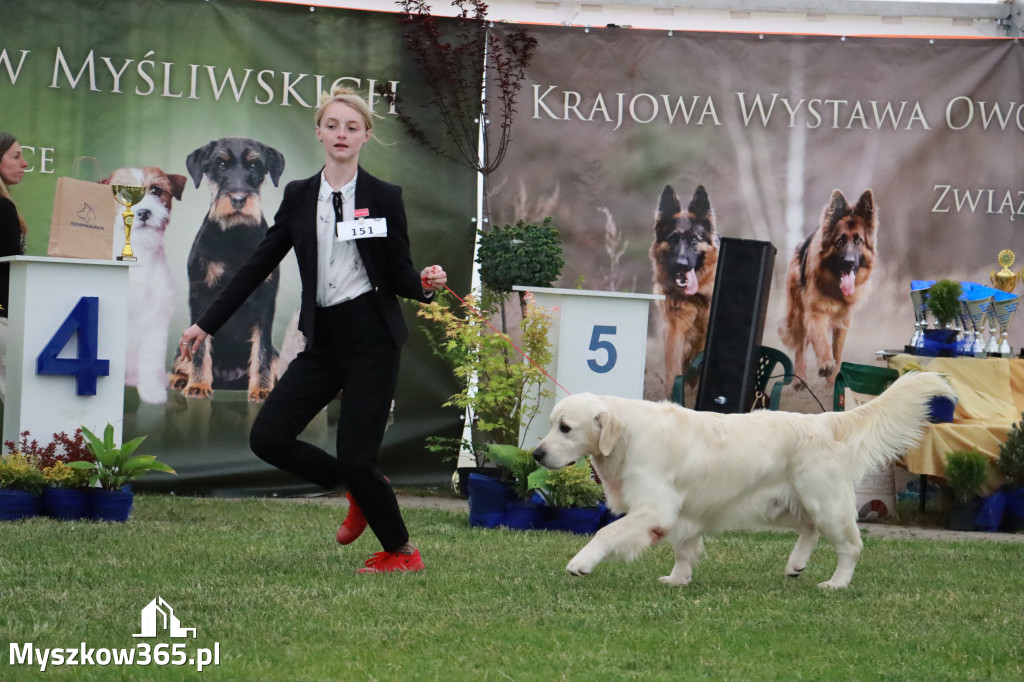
(353, 352)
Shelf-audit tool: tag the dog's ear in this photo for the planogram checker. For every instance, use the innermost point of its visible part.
(700, 205)
(196, 161)
(866, 208)
(275, 164)
(668, 211)
(668, 207)
(178, 183)
(836, 210)
(611, 428)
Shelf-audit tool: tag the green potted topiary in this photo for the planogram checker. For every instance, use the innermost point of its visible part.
(1010, 464)
(21, 483)
(523, 254)
(966, 471)
(944, 304)
(112, 469)
(574, 497)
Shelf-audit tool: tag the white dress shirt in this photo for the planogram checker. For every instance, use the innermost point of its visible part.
(340, 274)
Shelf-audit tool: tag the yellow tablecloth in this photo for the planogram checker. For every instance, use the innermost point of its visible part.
(991, 399)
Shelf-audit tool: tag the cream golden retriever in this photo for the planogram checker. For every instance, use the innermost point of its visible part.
(678, 474)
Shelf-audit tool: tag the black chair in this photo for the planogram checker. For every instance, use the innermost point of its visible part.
(771, 363)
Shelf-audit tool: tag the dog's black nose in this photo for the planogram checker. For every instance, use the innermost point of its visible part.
(538, 454)
(238, 201)
(143, 214)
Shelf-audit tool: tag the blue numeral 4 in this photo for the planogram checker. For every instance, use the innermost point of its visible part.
(85, 320)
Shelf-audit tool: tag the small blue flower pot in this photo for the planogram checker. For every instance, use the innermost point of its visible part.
(488, 498)
(111, 505)
(18, 504)
(66, 504)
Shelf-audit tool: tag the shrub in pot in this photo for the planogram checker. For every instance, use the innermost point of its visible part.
(575, 497)
(21, 483)
(944, 304)
(966, 471)
(1010, 464)
(66, 495)
(115, 467)
(522, 513)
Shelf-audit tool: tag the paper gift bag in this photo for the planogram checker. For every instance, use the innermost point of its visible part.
(83, 220)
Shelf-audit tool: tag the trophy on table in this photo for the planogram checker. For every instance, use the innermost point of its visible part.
(1005, 279)
(966, 344)
(977, 311)
(128, 196)
(919, 297)
(1004, 305)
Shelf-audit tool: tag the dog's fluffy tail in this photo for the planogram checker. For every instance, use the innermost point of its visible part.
(887, 426)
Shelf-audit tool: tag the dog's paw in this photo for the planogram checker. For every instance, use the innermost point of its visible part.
(826, 370)
(794, 572)
(199, 391)
(670, 580)
(833, 585)
(579, 567)
(177, 381)
(258, 395)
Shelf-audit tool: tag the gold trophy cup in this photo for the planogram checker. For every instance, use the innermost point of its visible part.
(1005, 279)
(128, 196)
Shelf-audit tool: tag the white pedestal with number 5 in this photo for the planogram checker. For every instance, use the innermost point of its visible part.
(66, 346)
(598, 342)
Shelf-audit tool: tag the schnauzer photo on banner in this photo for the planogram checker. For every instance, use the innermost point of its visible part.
(213, 113)
(867, 162)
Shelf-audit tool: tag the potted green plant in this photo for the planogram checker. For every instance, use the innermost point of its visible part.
(66, 493)
(112, 469)
(1010, 465)
(524, 254)
(966, 471)
(21, 483)
(522, 513)
(499, 391)
(574, 497)
(944, 304)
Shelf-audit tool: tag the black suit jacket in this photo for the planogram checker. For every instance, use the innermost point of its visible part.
(387, 260)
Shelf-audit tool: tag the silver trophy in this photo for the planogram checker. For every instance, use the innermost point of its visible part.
(1003, 308)
(977, 310)
(966, 345)
(919, 297)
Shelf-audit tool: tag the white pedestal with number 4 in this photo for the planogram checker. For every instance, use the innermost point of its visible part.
(66, 346)
(599, 345)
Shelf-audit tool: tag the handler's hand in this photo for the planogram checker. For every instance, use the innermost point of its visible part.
(433, 278)
(191, 339)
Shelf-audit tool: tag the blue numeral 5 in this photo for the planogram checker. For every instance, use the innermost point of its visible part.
(597, 343)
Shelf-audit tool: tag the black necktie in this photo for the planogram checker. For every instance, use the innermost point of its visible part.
(338, 203)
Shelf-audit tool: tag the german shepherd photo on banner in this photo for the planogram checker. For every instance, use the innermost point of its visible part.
(684, 256)
(827, 277)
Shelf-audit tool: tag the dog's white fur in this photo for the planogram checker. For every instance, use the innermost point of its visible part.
(678, 474)
(151, 286)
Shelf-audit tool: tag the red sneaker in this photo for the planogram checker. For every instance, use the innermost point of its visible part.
(389, 562)
(353, 525)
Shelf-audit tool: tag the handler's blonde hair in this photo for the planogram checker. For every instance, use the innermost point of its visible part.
(345, 96)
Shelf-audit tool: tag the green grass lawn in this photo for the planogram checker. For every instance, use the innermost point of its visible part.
(265, 581)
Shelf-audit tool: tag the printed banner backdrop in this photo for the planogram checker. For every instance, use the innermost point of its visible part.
(770, 125)
(151, 84)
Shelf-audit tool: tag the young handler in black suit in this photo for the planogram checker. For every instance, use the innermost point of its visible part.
(350, 237)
